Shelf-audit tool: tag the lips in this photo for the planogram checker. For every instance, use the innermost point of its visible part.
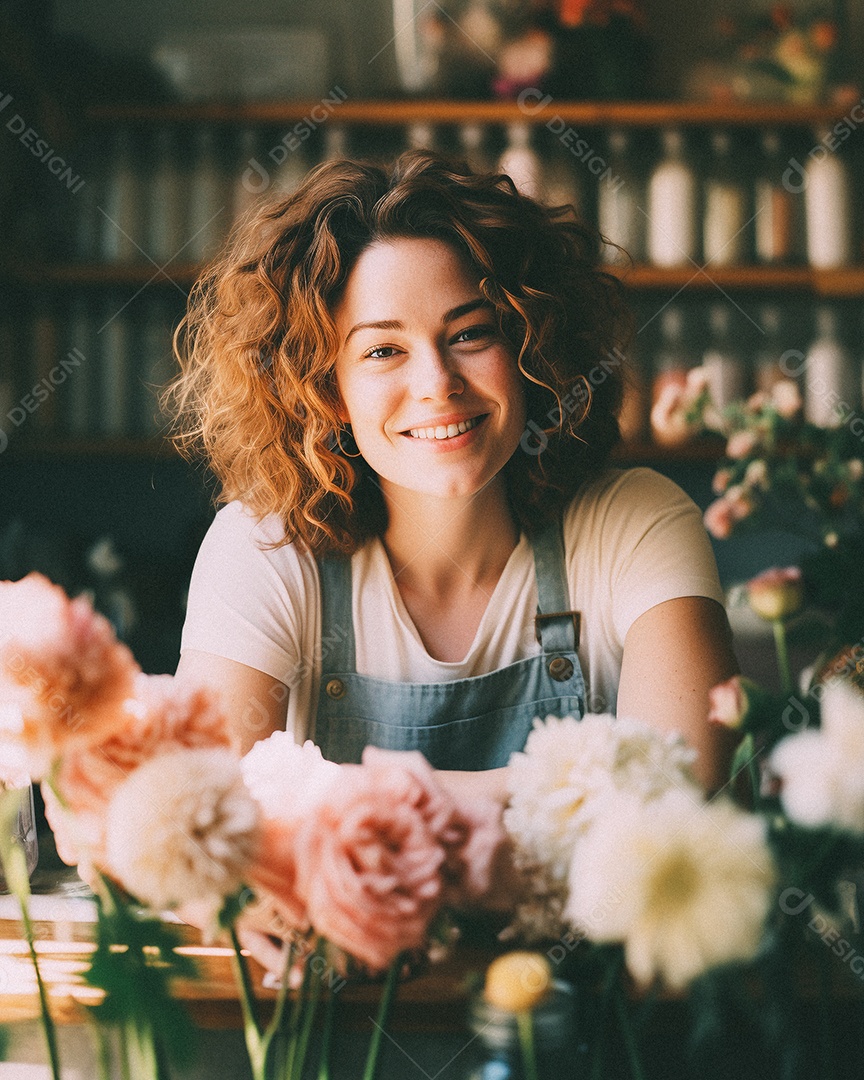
(440, 432)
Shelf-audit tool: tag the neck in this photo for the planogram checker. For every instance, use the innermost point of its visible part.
(442, 545)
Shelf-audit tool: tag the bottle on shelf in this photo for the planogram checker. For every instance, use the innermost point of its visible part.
(673, 358)
(421, 136)
(335, 142)
(122, 214)
(157, 364)
(165, 203)
(672, 238)
(251, 180)
(768, 355)
(46, 373)
(776, 207)
(472, 147)
(560, 182)
(725, 210)
(520, 162)
(113, 367)
(290, 173)
(723, 360)
(831, 382)
(76, 401)
(209, 204)
(621, 200)
(828, 208)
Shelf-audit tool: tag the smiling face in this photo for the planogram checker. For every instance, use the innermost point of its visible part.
(429, 386)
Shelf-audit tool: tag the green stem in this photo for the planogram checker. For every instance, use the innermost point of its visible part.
(629, 1038)
(327, 1036)
(256, 1047)
(779, 627)
(525, 1024)
(294, 1020)
(383, 1011)
(309, 1009)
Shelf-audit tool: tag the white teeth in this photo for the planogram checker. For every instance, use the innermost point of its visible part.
(444, 432)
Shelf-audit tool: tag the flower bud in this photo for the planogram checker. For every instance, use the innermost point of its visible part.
(727, 703)
(776, 593)
(518, 981)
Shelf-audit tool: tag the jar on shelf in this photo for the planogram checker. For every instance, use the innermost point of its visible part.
(520, 161)
(495, 1051)
(831, 382)
(672, 205)
(723, 360)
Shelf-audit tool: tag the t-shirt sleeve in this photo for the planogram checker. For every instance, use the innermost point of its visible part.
(653, 545)
(245, 600)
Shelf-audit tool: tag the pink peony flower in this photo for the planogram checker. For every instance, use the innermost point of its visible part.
(721, 481)
(61, 667)
(163, 715)
(740, 444)
(776, 593)
(288, 780)
(274, 870)
(371, 864)
(724, 513)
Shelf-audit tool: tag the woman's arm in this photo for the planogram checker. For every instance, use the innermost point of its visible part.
(673, 654)
(255, 703)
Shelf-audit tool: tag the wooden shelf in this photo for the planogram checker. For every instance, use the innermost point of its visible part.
(844, 283)
(535, 110)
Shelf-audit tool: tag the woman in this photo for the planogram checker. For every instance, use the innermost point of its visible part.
(406, 380)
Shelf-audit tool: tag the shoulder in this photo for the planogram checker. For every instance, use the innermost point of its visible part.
(631, 499)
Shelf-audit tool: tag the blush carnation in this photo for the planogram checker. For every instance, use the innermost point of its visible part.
(63, 668)
(182, 828)
(288, 780)
(164, 714)
(570, 767)
(370, 864)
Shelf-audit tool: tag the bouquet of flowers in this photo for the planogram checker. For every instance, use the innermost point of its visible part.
(146, 794)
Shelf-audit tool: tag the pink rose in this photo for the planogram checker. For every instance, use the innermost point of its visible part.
(721, 481)
(163, 715)
(727, 703)
(370, 864)
(719, 519)
(740, 444)
(274, 870)
(61, 667)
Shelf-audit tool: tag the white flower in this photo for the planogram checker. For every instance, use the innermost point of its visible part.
(569, 767)
(182, 827)
(683, 887)
(287, 780)
(822, 771)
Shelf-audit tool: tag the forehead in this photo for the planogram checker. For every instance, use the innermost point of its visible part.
(406, 270)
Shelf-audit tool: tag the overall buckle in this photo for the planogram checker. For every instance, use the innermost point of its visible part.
(577, 623)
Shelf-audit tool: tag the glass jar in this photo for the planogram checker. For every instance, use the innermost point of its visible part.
(24, 832)
(495, 1052)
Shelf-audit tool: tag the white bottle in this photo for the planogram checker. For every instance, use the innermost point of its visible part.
(828, 209)
(520, 162)
(722, 360)
(209, 205)
(291, 173)
(724, 213)
(471, 140)
(621, 201)
(122, 213)
(672, 194)
(165, 200)
(335, 146)
(421, 136)
(831, 385)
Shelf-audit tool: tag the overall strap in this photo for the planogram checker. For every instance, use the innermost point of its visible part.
(337, 624)
(556, 625)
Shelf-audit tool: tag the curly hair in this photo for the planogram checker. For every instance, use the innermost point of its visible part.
(257, 393)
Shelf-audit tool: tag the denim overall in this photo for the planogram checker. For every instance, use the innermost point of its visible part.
(473, 723)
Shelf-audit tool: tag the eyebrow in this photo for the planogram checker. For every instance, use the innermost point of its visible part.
(449, 316)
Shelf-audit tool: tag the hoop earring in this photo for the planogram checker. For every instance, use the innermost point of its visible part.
(342, 449)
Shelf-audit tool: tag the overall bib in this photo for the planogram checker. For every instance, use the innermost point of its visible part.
(474, 723)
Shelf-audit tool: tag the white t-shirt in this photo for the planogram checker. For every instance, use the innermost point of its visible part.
(632, 538)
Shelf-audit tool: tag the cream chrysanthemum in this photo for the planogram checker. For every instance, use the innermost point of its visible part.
(822, 771)
(570, 767)
(684, 888)
(182, 827)
(288, 780)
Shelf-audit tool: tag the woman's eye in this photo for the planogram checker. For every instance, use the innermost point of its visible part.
(474, 333)
(381, 352)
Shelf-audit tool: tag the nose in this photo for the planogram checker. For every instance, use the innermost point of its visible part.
(435, 374)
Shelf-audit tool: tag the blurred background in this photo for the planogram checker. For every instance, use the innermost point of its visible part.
(718, 143)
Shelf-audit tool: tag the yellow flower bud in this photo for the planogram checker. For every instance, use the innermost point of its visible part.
(776, 594)
(518, 981)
